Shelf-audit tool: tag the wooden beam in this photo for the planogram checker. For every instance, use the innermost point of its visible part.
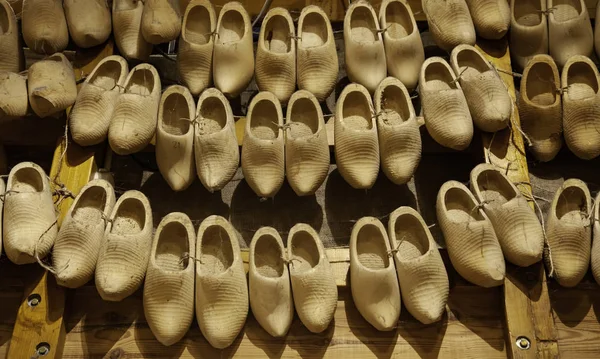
(528, 313)
(39, 328)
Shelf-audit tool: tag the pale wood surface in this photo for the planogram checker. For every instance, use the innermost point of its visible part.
(577, 313)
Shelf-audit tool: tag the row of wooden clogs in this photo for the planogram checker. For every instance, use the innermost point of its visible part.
(221, 50)
(112, 242)
(494, 221)
(560, 28)
(551, 104)
(47, 24)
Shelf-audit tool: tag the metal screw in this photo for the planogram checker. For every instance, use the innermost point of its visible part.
(42, 349)
(523, 343)
(34, 300)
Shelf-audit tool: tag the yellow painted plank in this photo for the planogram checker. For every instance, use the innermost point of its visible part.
(43, 325)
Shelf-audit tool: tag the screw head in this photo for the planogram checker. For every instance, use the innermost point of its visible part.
(34, 300)
(523, 343)
(42, 349)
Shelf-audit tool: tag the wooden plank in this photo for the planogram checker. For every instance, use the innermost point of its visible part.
(577, 313)
(527, 305)
(42, 326)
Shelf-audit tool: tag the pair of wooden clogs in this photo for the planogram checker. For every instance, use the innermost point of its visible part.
(46, 24)
(453, 98)
(301, 154)
(484, 225)
(453, 22)
(194, 139)
(550, 104)
(561, 28)
(365, 138)
(137, 25)
(220, 51)
(215, 268)
(119, 104)
(308, 55)
(405, 262)
(299, 277)
(571, 222)
(49, 88)
(376, 47)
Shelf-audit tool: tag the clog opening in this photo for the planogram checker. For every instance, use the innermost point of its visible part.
(398, 20)
(304, 119)
(461, 207)
(4, 20)
(473, 63)
(371, 248)
(314, 30)
(540, 85)
(581, 81)
(123, 5)
(90, 206)
(264, 120)
(438, 77)
(268, 258)
(494, 187)
(565, 10)
(107, 75)
(394, 105)
(176, 114)
(216, 253)
(232, 27)
(172, 246)
(130, 217)
(213, 116)
(357, 111)
(362, 25)
(198, 26)
(27, 179)
(411, 238)
(305, 254)
(572, 204)
(277, 35)
(528, 12)
(141, 82)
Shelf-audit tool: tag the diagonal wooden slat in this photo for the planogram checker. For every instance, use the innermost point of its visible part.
(528, 312)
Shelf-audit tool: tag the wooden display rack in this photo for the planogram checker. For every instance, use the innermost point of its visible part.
(522, 319)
